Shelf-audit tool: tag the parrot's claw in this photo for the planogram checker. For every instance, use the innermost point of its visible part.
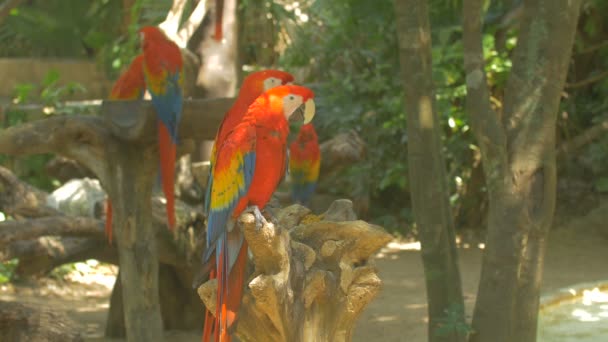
(260, 220)
(269, 216)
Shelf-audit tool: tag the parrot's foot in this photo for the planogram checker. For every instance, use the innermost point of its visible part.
(260, 220)
(270, 217)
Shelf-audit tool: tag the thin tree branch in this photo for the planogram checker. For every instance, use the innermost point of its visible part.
(593, 48)
(11, 231)
(171, 23)
(486, 123)
(588, 81)
(583, 139)
(191, 25)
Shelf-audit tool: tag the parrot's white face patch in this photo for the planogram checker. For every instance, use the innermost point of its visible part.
(271, 82)
(291, 102)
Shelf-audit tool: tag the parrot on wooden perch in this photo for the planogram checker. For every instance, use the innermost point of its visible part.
(253, 86)
(164, 77)
(129, 86)
(304, 164)
(249, 165)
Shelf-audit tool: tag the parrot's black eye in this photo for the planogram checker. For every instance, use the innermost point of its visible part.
(291, 97)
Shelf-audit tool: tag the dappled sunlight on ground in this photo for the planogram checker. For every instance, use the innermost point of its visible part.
(581, 318)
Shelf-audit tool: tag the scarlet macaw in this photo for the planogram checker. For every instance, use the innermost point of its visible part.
(304, 164)
(250, 164)
(129, 86)
(253, 86)
(164, 79)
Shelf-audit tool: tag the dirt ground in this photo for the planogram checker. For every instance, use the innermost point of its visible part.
(577, 253)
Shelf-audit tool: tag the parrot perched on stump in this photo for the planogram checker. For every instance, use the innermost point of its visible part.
(304, 164)
(253, 86)
(164, 77)
(129, 86)
(250, 163)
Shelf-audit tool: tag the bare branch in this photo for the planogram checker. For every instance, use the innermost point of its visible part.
(20, 199)
(171, 23)
(192, 24)
(583, 139)
(593, 48)
(486, 124)
(595, 78)
(11, 231)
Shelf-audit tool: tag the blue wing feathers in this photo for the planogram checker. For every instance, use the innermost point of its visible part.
(169, 105)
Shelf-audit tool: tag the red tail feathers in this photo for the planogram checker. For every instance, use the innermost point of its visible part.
(109, 220)
(219, 14)
(229, 294)
(167, 153)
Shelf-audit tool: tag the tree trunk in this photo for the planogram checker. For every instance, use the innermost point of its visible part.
(518, 153)
(137, 249)
(427, 175)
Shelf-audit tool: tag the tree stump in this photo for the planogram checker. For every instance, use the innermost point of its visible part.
(311, 276)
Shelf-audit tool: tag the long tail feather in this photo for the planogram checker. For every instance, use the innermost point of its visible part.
(167, 151)
(229, 294)
(109, 220)
(210, 321)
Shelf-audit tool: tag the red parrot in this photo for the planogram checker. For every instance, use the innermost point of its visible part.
(129, 86)
(304, 164)
(164, 79)
(249, 165)
(253, 86)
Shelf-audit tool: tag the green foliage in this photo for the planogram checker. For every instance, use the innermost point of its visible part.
(7, 270)
(52, 96)
(59, 28)
(350, 49)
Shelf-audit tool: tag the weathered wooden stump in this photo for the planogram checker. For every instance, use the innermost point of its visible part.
(311, 276)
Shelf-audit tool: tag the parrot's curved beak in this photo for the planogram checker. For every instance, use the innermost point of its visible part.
(309, 110)
(304, 113)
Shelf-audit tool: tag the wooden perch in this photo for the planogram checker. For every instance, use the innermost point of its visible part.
(120, 148)
(11, 231)
(311, 279)
(20, 199)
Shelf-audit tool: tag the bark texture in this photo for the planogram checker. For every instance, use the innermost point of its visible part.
(311, 277)
(518, 154)
(429, 190)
